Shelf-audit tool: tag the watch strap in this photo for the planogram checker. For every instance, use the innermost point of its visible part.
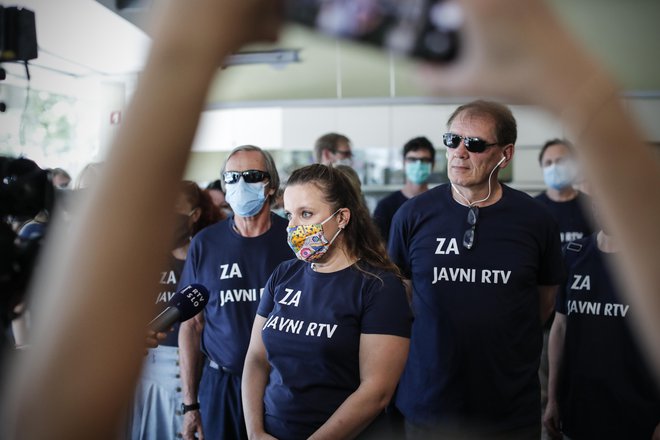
(192, 407)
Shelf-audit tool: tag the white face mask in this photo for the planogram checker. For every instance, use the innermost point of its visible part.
(347, 161)
(559, 175)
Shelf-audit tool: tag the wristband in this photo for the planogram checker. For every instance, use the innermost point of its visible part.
(192, 407)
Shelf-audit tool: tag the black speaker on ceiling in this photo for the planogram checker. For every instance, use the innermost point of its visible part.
(18, 34)
(131, 4)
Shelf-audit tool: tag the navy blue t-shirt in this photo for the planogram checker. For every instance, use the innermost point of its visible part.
(606, 390)
(385, 210)
(234, 269)
(572, 216)
(476, 338)
(312, 339)
(168, 282)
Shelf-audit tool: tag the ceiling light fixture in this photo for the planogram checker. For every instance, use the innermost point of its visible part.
(276, 58)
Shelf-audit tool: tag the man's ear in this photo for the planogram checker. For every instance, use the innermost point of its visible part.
(326, 156)
(507, 152)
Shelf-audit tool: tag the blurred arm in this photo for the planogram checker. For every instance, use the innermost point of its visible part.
(91, 297)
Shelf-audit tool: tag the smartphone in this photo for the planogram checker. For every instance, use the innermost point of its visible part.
(425, 29)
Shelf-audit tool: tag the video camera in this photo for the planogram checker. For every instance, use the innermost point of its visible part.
(25, 190)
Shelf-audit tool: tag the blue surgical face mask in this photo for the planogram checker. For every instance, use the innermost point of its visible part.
(246, 199)
(559, 175)
(418, 172)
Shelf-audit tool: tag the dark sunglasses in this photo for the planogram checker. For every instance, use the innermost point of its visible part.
(469, 236)
(344, 153)
(473, 144)
(250, 176)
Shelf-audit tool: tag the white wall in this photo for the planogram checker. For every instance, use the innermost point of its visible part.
(385, 126)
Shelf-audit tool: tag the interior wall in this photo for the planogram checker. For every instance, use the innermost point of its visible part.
(376, 127)
(339, 86)
(624, 35)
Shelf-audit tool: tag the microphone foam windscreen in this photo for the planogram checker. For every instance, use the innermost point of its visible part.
(190, 300)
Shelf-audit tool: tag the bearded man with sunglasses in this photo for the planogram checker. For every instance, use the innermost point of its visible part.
(484, 261)
(233, 259)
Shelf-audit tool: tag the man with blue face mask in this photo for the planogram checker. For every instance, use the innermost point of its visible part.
(233, 259)
(418, 162)
(565, 202)
(569, 207)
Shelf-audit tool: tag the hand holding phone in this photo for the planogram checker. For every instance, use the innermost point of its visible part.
(426, 29)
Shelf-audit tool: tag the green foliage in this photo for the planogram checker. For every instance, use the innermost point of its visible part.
(44, 125)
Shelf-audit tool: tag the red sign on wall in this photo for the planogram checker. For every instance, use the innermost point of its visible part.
(115, 117)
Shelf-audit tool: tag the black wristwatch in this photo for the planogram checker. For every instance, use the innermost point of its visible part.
(192, 407)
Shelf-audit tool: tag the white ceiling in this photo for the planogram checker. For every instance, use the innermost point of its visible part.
(81, 44)
(83, 31)
(83, 38)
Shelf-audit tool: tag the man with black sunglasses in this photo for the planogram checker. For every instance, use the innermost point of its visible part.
(484, 260)
(233, 259)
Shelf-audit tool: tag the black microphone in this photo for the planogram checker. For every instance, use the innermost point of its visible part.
(185, 304)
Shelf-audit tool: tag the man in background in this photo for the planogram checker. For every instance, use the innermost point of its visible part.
(569, 207)
(600, 386)
(418, 162)
(61, 179)
(557, 159)
(333, 149)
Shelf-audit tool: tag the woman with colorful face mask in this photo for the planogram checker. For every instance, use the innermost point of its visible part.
(418, 161)
(331, 334)
(155, 413)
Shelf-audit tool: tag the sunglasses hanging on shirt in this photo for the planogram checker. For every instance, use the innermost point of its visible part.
(469, 236)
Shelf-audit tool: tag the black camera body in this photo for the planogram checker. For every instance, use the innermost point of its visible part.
(25, 190)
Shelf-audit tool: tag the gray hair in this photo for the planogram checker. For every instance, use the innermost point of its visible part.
(273, 182)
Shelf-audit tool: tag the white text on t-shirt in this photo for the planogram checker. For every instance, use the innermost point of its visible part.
(226, 272)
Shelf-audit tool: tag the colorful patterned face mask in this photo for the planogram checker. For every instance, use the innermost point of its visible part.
(308, 241)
